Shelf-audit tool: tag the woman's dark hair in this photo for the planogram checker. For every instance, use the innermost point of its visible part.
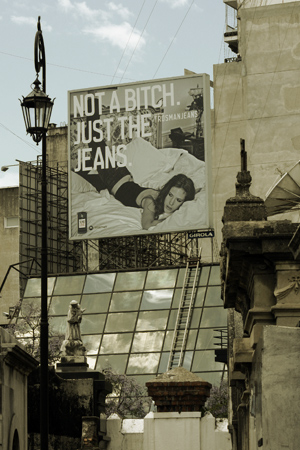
(179, 181)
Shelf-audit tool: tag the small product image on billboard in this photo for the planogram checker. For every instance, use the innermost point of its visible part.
(139, 158)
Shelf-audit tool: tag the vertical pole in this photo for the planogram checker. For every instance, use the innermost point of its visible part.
(44, 398)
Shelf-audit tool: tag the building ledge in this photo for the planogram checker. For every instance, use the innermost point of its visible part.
(231, 3)
(16, 357)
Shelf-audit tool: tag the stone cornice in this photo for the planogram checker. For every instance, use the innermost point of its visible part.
(15, 356)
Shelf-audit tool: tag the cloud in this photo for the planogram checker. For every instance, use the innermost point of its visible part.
(120, 9)
(109, 25)
(117, 35)
(21, 20)
(88, 13)
(82, 10)
(65, 5)
(177, 3)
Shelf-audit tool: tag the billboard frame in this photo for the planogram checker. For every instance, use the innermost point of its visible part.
(84, 106)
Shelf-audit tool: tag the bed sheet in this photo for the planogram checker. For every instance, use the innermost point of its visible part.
(150, 167)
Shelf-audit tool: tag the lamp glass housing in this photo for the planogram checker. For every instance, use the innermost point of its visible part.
(37, 109)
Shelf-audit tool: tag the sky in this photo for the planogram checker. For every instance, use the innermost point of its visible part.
(96, 43)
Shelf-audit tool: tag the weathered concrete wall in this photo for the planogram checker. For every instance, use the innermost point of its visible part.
(57, 146)
(255, 3)
(15, 365)
(9, 207)
(276, 388)
(168, 431)
(257, 99)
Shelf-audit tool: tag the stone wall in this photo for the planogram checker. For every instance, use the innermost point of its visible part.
(169, 431)
(275, 389)
(15, 365)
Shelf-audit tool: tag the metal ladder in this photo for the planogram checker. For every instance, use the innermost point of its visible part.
(185, 310)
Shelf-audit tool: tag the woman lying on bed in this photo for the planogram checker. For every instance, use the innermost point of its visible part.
(156, 205)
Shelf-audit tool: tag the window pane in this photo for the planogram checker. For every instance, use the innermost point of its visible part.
(125, 301)
(29, 304)
(168, 340)
(163, 365)
(152, 320)
(130, 281)
(141, 379)
(116, 362)
(204, 276)
(172, 319)
(91, 344)
(212, 377)
(181, 276)
(120, 322)
(143, 363)
(205, 361)
(187, 360)
(95, 302)
(176, 298)
(148, 342)
(58, 325)
(51, 281)
(215, 277)
(196, 318)
(11, 222)
(33, 287)
(161, 279)
(190, 345)
(200, 296)
(69, 285)
(99, 282)
(213, 296)
(157, 299)
(92, 323)
(60, 305)
(116, 343)
(214, 317)
(205, 339)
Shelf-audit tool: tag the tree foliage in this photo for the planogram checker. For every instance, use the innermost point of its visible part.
(26, 329)
(217, 403)
(128, 398)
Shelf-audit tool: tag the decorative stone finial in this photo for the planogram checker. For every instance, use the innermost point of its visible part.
(244, 206)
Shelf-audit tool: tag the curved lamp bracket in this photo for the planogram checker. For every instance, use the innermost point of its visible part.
(39, 53)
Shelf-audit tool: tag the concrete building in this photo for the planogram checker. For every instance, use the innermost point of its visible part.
(9, 230)
(15, 366)
(256, 99)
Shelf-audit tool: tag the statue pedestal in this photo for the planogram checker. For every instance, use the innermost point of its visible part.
(75, 367)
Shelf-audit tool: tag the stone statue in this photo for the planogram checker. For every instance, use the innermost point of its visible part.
(72, 345)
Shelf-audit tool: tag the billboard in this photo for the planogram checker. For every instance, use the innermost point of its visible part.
(139, 158)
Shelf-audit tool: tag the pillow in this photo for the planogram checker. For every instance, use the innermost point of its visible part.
(144, 161)
(79, 184)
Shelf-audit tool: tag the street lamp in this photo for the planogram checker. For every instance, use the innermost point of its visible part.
(37, 108)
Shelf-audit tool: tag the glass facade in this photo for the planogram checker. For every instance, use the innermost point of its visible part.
(129, 318)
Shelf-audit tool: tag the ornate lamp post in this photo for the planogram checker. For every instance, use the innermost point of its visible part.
(37, 108)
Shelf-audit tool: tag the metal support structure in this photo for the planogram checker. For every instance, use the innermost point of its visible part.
(36, 108)
(44, 400)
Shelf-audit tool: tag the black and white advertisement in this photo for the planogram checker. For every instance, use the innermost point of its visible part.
(139, 158)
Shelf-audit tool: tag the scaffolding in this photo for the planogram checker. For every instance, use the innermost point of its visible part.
(63, 255)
